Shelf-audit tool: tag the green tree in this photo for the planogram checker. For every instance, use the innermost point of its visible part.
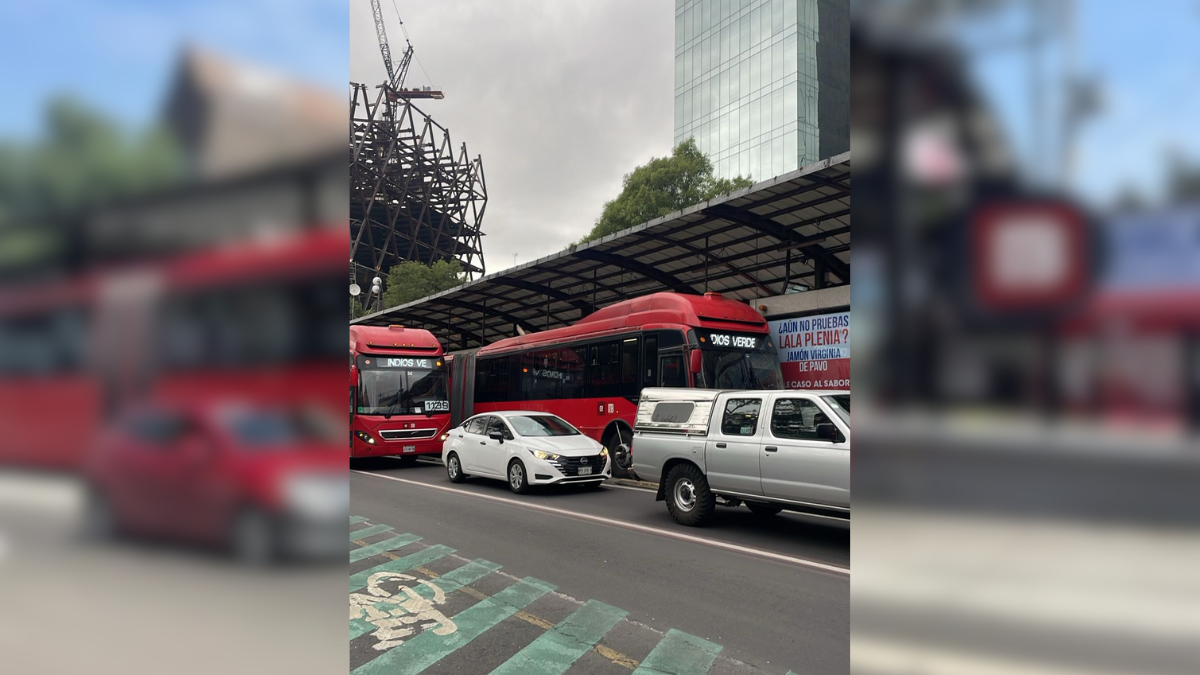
(661, 186)
(408, 281)
(81, 159)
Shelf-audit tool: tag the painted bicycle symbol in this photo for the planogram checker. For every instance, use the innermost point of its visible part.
(400, 613)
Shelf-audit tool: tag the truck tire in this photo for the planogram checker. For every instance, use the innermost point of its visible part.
(761, 509)
(689, 500)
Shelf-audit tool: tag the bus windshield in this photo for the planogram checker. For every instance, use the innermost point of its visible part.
(733, 361)
(393, 386)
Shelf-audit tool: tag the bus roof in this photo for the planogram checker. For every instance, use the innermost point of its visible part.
(710, 310)
(393, 339)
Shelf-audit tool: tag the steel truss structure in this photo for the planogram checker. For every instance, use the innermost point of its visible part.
(411, 196)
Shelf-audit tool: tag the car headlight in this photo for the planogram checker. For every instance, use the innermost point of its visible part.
(365, 437)
(604, 452)
(317, 495)
(542, 454)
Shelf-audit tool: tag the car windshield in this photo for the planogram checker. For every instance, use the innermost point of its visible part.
(408, 391)
(542, 425)
(754, 368)
(840, 404)
(256, 429)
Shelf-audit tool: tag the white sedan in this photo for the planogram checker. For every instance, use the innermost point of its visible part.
(525, 449)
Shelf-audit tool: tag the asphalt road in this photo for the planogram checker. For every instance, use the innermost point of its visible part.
(763, 595)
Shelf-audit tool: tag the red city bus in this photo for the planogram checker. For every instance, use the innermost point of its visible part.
(257, 320)
(592, 373)
(399, 397)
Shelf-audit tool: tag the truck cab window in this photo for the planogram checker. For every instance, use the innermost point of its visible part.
(797, 419)
(741, 416)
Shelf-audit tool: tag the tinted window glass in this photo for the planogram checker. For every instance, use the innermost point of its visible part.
(475, 426)
(741, 416)
(604, 369)
(629, 367)
(572, 364)
(669, 338)
(542, 425)
(497, 424)
(650, 362)
(672, 412)
(673, 374)
(796, 418)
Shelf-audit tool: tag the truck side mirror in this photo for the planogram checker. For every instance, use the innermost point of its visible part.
(695, 361)
(826, 431)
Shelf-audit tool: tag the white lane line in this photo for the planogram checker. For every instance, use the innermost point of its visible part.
(629, 526)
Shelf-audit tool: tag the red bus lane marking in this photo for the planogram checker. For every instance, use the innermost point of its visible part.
(715, 543)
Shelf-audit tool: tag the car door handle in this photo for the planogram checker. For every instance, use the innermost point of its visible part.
(720, 445)
(483, 442)
(771, 448)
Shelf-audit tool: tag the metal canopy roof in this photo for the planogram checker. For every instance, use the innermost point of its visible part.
(748, 244)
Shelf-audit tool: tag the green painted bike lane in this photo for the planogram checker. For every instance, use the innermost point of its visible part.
(552, 653)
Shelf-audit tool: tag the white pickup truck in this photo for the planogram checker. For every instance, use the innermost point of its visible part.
(769, 450)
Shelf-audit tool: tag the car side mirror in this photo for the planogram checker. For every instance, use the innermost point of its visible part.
(826, 431)
(497, 436)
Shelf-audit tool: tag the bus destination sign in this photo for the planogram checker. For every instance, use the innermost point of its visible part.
(388, 362)
(732, 341)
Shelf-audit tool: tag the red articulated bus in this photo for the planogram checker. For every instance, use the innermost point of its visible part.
(399, 397)
(592, 373)
(259, 321)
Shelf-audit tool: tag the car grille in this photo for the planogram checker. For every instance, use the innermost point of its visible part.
(569, 466)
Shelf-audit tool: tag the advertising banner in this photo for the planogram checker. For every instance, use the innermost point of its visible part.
(814, 351)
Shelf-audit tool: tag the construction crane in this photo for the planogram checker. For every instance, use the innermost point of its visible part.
(395, 83)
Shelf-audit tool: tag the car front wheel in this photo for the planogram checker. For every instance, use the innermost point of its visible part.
(689, 499)
(454, 469)
(518, 481)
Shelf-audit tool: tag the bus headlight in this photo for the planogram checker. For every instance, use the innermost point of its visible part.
(443, 437)
(365, 437)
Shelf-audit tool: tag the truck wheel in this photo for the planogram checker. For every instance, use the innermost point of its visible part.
(761, 509)
(454, 469)
(689, 500)
(518, 481)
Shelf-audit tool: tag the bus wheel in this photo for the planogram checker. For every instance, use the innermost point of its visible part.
(617, 443)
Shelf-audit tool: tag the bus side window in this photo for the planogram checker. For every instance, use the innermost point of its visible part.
(650, 362)
(573, 362)
(629, 368)
(673, 374)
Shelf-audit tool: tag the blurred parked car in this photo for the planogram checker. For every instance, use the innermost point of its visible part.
(267, 482)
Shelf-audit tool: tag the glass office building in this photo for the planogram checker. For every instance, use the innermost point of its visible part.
(754, 82)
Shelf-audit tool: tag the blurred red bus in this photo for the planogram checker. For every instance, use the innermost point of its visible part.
(259, 320)
(399, 394)
(592, 373)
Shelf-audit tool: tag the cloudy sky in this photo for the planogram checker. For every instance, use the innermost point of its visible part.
(560, 98)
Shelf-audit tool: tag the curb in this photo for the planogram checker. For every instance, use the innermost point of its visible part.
(636, 483)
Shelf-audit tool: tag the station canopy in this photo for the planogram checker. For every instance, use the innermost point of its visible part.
(778, 236)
